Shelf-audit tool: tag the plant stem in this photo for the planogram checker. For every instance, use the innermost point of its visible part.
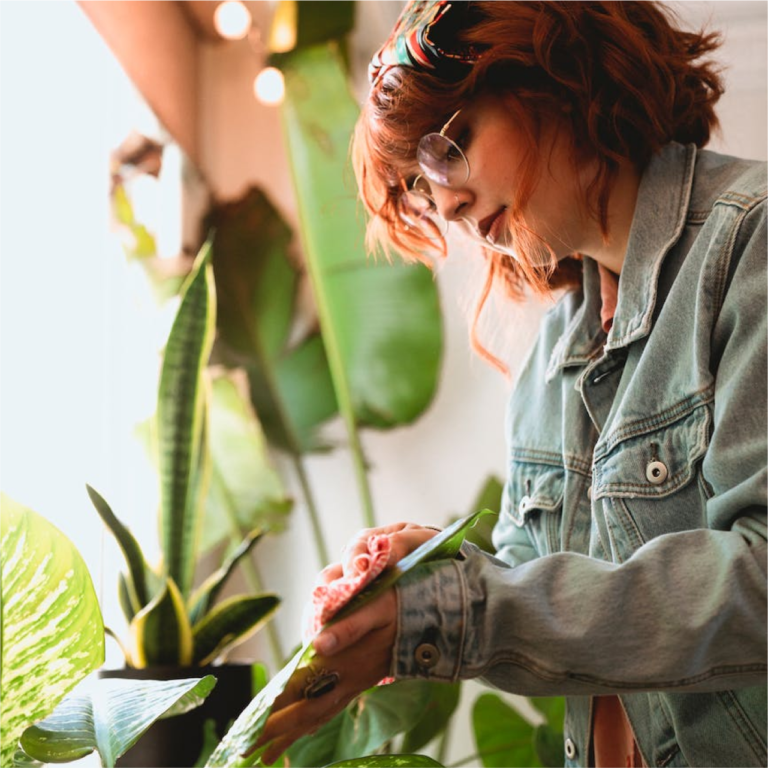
(314, 517)
(442, 747)
(494, 751)
(252, 576)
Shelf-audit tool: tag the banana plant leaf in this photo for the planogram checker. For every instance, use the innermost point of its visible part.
(257, 287)
(299, 23)
(374, 718)
(237, 746)
(110, 718)
(161, 631)
(380, 322)
(180, 422)
(245, 490)
(52, 630)
(229, 623)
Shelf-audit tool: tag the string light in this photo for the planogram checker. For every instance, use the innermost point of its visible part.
(232, 20)
(269, 86)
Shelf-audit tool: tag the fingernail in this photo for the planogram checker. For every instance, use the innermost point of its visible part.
(325, 643)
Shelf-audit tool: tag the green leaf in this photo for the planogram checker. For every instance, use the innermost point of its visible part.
(206, 594)
(305, 24)
(380, 322)
(489, 497)
(229, 623)
(52, 630)
(136, 579)
(371, 720)
(502, 736)
(180, 421)
(549, 746)
(438, 709)
(444, 546)
(257, 286)
(161, 631)
(245, 488)
(111, 717)
(236, 748)
(388, 761)
(553, 709)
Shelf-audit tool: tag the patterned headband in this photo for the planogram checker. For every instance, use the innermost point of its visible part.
(424, 37)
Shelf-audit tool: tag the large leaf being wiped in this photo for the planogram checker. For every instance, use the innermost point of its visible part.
(236, 748)
(52, 632)
(380, 322)
(110, 717)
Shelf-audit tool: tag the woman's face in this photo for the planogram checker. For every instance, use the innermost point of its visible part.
(494, 145)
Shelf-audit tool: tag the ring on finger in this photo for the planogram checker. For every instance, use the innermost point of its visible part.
(320, 682)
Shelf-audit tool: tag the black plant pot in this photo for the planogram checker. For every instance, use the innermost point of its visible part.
(178, 741)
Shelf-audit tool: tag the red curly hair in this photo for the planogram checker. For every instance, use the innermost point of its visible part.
(624, 78)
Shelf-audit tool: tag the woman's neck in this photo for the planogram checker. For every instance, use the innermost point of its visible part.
(621, 211)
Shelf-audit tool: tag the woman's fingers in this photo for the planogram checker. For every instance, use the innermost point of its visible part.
(404, 538)
(334, 681)
(342, 634)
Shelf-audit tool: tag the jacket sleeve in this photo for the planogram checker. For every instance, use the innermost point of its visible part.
(687, 612)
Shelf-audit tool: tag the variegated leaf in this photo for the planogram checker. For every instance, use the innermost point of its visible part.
(52, 630)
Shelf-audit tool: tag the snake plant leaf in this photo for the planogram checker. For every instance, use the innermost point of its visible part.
(502, 735)
(136, 579)
(161, 630)
(246, 491)
(206, 594)
(52, 630)
(299, 23)
(257, 286)
(380, 322)
(229, 623)
(181, 420)
(110, 717)
(236, 748)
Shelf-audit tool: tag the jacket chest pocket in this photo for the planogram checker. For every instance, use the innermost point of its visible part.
(650, 482)
(533, 501)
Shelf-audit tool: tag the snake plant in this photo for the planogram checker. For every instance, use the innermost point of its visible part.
(169, 622)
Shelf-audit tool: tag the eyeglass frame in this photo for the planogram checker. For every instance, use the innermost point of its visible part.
(441, 225)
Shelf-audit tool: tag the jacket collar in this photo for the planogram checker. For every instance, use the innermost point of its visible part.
(660, 213)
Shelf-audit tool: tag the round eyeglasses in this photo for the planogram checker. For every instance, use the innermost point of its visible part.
(442, 162)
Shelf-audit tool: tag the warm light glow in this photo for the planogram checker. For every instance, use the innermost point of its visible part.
(232, 20)
(269, 86)
(283, 37)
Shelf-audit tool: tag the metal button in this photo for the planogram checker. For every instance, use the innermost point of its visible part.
(524, 502)
(570, 749)
(589, 493)
(427, 655)
(656, 472)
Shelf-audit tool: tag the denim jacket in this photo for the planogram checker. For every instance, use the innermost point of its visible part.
(631, 544)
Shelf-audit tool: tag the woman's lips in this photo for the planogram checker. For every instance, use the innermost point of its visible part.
(490, 226)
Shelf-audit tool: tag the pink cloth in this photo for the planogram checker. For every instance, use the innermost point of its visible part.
(329, 598)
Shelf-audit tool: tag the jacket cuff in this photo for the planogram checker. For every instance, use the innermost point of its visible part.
(431, 605)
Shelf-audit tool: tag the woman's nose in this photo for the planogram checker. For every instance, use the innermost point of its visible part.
(451, 203)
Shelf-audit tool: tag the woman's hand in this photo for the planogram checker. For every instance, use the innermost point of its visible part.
(354, 654)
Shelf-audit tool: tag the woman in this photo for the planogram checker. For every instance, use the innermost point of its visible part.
(630, 572)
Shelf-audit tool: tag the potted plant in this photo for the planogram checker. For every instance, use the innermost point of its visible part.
(173, 626)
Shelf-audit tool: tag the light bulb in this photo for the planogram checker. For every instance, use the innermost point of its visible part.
(269, 86)
(232, 20)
